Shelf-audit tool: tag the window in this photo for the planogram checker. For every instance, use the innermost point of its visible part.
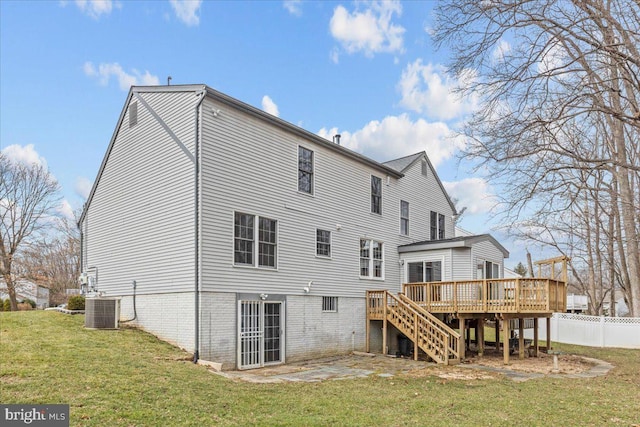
(376, 195)
(424, 168)
(323, 243)
(305, 170)
(371, 259)
(426, 271)
(488, 270)
(245, 239)
(133, 114)
(437, 226)
(404, 218)
(329, 304)
(267, 242)
(433, 221)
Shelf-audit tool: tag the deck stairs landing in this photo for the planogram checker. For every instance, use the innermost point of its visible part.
(427, 332)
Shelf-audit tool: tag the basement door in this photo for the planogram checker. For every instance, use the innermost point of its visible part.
(260, 333)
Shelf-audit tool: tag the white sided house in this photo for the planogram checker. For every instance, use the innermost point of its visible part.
(250, 241)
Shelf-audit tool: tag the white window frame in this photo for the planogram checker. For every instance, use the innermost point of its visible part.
(483, 270)
(330, 244)
(371, 194)
(313, 171)
(434, 225)
(329, 304)
(404, 220)
(371, 259)
(256, 242)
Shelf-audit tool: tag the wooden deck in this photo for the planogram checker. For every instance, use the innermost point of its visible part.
(411, 312)
(513, 296)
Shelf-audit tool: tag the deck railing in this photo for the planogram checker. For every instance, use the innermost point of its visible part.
(519, 295)
(430, 334)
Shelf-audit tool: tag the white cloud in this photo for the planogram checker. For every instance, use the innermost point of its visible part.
(83, 187)
(429, 89)
(269, 106)
(398, 136)
(26, 155)
(500, 51)
(369, 28)
(187, 11)
(104, 72)
(294, 7)
(95, 8)
(65, 210)
(552, 59)
(473, 193)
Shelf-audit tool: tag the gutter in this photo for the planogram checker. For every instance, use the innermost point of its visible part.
(196, 354)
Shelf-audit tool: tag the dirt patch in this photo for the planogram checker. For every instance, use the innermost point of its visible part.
(451, 373)
(543, 364)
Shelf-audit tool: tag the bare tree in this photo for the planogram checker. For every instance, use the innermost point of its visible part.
(54, 260)
(559, 88)
(28, 195)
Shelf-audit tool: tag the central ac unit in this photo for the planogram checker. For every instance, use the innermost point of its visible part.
(102, 313)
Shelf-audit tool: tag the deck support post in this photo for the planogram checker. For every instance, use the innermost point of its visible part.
(505, 340)
(548, 334)
(480, 336)
(368, 325)
(497, 335)
(536, 347)
(415, 336)
(384, 325)
(463, 341)
(521, 338)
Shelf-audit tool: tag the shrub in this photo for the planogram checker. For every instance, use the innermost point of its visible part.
(75, 302)
(24, 306)
(6, 305)
(31, 302)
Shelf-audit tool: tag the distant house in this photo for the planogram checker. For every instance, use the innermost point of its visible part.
(26, 289)
(250, 241)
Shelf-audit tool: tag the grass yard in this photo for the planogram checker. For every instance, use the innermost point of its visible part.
(130, 378)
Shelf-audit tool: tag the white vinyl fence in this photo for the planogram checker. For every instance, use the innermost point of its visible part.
(592, 331)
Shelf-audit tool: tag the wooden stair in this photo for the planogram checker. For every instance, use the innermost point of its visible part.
(427, 332)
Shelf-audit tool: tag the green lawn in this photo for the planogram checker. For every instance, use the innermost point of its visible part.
(129, 378)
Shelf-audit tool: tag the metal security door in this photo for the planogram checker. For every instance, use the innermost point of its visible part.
(260, 334)
(250, 334)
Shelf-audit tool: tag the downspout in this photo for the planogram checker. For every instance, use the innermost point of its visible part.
(196, 353)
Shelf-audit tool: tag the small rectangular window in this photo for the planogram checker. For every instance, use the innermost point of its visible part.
(433, 222)
(364, 258)
(323, 243)
(424, 168)
(133, 114)
(329, 304)
(440, 226)
(376, 195)
(404, 218)
(305, 170)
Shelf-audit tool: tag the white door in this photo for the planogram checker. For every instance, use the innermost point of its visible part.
(260, 333)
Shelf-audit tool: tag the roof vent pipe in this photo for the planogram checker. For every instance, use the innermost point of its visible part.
(336, 138)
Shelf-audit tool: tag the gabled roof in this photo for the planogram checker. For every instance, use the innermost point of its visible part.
(404, 163)
(235, 103)
(454, 242)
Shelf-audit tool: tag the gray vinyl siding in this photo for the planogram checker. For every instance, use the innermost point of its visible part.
(486, 251)
(424, 195)
(140, 221)
(462, 264)
(250, 166)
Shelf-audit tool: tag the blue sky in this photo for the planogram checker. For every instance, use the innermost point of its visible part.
(367, 70)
